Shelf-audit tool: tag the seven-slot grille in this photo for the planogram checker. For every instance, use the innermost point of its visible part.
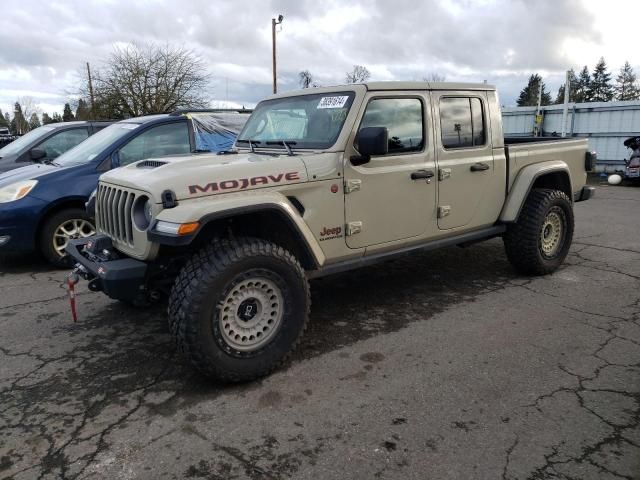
(113, 212)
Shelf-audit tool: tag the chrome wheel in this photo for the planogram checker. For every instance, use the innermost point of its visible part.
(69, 230)
(552, 232)
(251, 314)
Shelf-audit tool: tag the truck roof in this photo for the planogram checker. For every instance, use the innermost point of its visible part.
(382, 86)
(427, 86)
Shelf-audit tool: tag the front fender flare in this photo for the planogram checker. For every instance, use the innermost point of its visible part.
(524, 182)
(208, 209)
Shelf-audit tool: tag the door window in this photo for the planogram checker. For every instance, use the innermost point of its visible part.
(61, 142)
(461, 122)
(403, 119)
(160, 141)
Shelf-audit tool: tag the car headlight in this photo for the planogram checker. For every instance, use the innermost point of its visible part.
(16, 191)
(142, 212)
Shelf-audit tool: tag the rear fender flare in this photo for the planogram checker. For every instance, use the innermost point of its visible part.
(523, 184)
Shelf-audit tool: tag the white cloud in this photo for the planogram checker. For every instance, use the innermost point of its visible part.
(45, 44)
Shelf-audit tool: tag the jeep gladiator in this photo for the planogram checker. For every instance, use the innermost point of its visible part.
(322, 181)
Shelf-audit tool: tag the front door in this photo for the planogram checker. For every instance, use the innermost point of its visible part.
(382, 201)
(469, 187)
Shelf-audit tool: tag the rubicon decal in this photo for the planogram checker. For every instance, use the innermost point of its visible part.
(243, 183)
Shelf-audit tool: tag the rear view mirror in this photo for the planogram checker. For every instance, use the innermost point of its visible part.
(371, 141)
(37, 154)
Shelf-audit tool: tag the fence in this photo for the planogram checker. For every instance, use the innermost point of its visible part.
(605, 124)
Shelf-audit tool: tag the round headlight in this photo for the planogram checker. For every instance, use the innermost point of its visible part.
(142, 212)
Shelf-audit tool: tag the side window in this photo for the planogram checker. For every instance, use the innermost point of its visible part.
(403, 119)
(160, 141)
(461, 122)
(61, 142)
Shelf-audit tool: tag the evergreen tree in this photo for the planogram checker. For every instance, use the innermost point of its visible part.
(34, 121)
(529, 94)
(19, 124)
(626, 86)
(600, 88)
(56, 118)
(67, 114)
(582, 86)
(3, 120)
(573, 85)
(82, 111)
(46, 118)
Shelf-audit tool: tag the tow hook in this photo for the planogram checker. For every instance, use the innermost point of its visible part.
(72, 279)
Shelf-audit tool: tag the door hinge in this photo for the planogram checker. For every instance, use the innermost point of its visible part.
(352, 185)
(444, 173)
(444, 211)
(353, 228)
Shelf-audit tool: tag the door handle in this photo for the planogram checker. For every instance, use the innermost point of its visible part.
(420, 174)
(479, 167)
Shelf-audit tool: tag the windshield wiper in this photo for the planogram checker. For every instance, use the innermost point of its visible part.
(250, 142)
(285, 143)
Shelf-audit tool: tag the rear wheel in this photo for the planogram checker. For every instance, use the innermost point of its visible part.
(239, 308)
(539, 241)
(62, 226)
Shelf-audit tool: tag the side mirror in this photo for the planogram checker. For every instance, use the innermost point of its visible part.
(371, 141)
(37, 154)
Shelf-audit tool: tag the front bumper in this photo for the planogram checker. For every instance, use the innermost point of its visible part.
(19, 223)
(585, 194)
(121, 278)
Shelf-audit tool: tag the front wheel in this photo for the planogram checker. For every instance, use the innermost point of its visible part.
(539, 241)
(62, 226)
(239, 308)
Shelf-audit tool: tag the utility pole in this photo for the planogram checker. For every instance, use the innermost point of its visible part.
(565, 110)
(90, 90)
(273, 50)
(537, 126)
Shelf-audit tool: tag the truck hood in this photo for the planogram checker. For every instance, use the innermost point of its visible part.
(193, 176)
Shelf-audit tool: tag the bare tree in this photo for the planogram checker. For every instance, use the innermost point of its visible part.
(434, 77)
(359, 74)
(138, 80)
(306, 79)
(29, 108)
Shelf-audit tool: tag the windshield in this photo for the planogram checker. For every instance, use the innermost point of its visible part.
(95, 144)
(306, 121)
(25, 140)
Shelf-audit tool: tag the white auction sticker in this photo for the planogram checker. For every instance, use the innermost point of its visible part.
(333, 102)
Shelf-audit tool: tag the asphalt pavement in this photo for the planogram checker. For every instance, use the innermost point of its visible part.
(441, 365)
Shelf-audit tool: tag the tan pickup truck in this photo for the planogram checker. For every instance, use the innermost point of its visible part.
(324, 180)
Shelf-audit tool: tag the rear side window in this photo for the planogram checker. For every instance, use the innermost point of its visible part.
(402, 117)
(160, 141)
(461, 122)
(61, 142)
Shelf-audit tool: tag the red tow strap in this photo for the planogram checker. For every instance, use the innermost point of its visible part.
(72, 279)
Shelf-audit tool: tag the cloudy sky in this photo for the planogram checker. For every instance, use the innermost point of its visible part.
(44, 44)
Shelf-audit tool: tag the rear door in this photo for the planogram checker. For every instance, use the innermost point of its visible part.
(382, 201)
(467, 178)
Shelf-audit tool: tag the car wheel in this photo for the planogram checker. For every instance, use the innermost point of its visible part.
(62, 226)
(239, 308)
(539, 241)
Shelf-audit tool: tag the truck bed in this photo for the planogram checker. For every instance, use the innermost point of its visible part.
(523, 151)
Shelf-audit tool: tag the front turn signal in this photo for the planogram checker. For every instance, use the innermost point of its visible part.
(187, 228)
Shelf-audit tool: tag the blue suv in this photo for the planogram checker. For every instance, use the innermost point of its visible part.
(42, 206)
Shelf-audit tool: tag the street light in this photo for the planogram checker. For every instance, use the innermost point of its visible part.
(273, 41)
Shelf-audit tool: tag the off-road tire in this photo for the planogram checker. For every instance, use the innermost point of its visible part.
(196, 307)
(51, 224)
(523, 240)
